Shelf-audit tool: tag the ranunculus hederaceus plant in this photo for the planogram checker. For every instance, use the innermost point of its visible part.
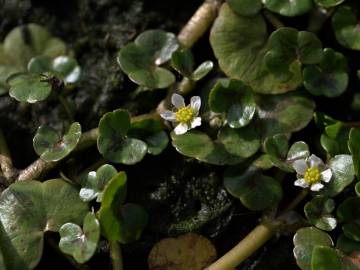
(260, 119)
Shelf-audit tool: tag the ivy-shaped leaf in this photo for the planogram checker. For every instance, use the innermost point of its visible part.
(318, 212)
(288, 8)
(276, 147)
(50, 146)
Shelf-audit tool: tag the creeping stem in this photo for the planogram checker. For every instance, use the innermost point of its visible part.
(6, 164)
(116, 256)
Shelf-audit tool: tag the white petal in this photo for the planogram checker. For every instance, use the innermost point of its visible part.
(300, 166)
(196, 122)
(326, 175)
(181, 129)
(301, 183)
(168, 115)
(316, 187)
(195, 103)
(315, 161)
(177, 101)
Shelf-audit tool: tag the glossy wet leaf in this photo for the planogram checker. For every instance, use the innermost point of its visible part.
(245, 7)
(182, 61)
(51, 146)
(354, 147)
(277, 147)
(288, 8)
(235, 99)
(30, 208)
(328, 3)
(305, 240)
(342, 175)
(96, 182)
(200, 146)
(329, 78)
(151, 132)
(80, 242)
(345, 25)
(29, 87)
(318, 212)
(325, 258)
(113, 142)
(348, 213)
(39, 64)
(255, 190)
(202, 70)
(140, 59)
(240, 44)
(288, 47)
(66, 68)
(299, 150)
(284, 113)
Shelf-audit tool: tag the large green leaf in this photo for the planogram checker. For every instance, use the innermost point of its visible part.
(240, 44)
(30, 208)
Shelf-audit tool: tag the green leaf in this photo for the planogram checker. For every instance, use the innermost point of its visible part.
(354, 147)
(329, 78)
(318, 212)
(255, 190)
(328, 3)
(30, 208)
(245, 7)
(348, 213)
(39, 64)
(277, 147)
(202, 70)
(80, 243)
(342, 175)
(284, 113)
(140, 59)
(151, 132)
(299, 150)
(235, 99)
(347, 245)
(50, 146)
(113, 142)
(288, 8)
(182, 61)
(345, 25)
(325, 258)
(357, 189)
(123, 223)
(240, 44)
(305, 240)
(288, 47)
(29, 87)
(66, 68)
(96, 182)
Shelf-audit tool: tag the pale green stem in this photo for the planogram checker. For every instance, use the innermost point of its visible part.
(272, 19)
(6, 164)
(116, 256)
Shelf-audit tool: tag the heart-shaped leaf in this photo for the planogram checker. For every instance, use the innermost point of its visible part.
(140, 59)
(354, 147)
(277, 147)
(50, 146)
(305, 240)
(328, 3)
(345, 25)
(329, 78)
(29, 87)
(96, 182)
(113, 142)
(182, 61)
(288, 8)
(288, 47)
(235, 99)
(245, 7)
(342, 175)
(240, 44)
(80, 243)
(348, 213)
(255, 190)
(318, 212)
(30, 208)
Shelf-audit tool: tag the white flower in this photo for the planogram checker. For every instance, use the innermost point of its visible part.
(310, 172)
(186, 116)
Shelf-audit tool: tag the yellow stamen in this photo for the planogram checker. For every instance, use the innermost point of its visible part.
(312, 175)
(184, 115)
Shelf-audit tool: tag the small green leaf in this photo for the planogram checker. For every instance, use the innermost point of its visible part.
(29, 87)
(305, 240)
(66, 68)
(39, 64)
(357, 189)
(50, 146)
(345, 25)
(245, 7)
(342, 175)
(183, 61)
(347, 245)
(96, 182)
(277, 148)
(288, 8)
(30, 208)
(299, 150)
(80, 243)
(202, 70)
(354, 147)
(235, 99)
(348, 213)
(113, 142)
(328, 3)
(318, 212)
(325, 258)
(255, 190)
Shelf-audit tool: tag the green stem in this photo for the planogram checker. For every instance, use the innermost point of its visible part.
(272, 19)
(6, 164)
(116, 256)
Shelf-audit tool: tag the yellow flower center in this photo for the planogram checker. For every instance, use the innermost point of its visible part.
(312, 175)
(184, 115)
